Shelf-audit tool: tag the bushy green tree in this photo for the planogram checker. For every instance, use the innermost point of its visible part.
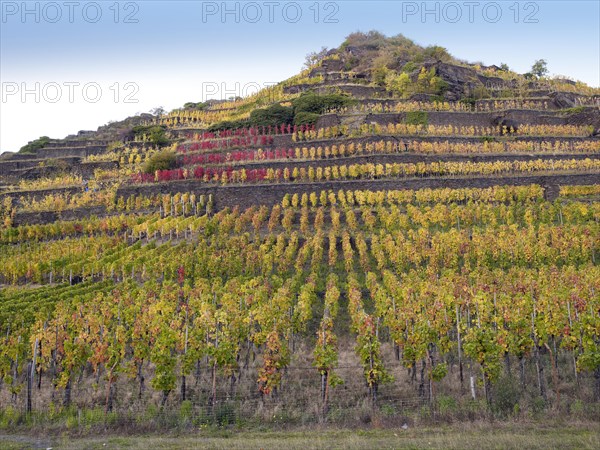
(273, 115)
(318, 104)
(305, 118)
(161, 161)
(35, 145)
(540, 68)
(398, 84)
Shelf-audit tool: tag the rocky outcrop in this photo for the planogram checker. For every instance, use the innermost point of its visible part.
(564, 100)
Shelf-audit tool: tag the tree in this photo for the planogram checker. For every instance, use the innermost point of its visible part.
(379, 74)
(164, 160)
(313, 58)
(157, 136)
(35, 145)
(438, 53)
(158, 111)
(398, 84)
(540, 68)
(272, 116)
(318, 104)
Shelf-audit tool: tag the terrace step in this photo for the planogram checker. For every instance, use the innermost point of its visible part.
(271, 194)
(80, 151)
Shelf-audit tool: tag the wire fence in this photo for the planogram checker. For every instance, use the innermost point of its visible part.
(276, 410)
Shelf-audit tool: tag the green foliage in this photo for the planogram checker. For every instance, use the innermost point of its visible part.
(410, 67)
(199, 106)
(506, 396)
(318, 104)
(398, 84)
(186, 411)
(438, 53)
(307, 118)
(372, 39)
(590, 357)
(416, 118)
(34, 146)
(225, 414)
(273, 115)
(481, 345)
(574, 110)
(446, 404)
(539, 68)
(155, 134)
(228, 125)
(439, 372)
(164, 160)
(427, 82)
(471, 101)
(379, 74)
(538, 405)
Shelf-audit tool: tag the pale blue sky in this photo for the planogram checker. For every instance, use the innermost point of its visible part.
(174, 52)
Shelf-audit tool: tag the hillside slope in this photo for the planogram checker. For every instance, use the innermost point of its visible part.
(393, 234)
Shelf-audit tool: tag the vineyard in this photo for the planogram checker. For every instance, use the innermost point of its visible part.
(330, 249)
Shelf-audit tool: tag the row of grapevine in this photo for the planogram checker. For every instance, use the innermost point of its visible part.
(437, 287)
(390, 147)
(228, 175)
(375, 129)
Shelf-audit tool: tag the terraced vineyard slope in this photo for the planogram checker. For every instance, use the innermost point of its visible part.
(392, 232)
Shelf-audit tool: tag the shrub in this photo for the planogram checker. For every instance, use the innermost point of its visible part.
(574, 110)
(318, 104)
(438, 53)
(506, 396)
(186, 413)
(540, 68)
(446, 404)
(155, 134)
(398, 84)
(164, 160)
(379, 74)
(470, 101)
(306, 118)
(224, 414)
(228, 125)
(409, 67)
(199, 106)
(416, 118)
(35, 145)
(273, 115)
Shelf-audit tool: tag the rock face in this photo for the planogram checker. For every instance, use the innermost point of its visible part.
(465, 81)
(328, 65)
(588, 116)
(564, 99)
(461, 80)
(328, 120)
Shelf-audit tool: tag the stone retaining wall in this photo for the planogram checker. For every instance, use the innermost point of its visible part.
(44, 217)
(81, 151)
(269, 194)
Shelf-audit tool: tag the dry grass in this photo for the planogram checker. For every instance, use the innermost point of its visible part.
(470, 436)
